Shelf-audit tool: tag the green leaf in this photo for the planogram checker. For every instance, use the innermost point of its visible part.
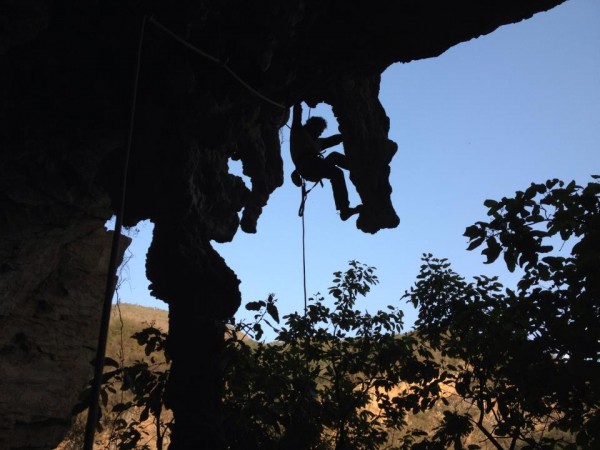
(272, 311)
(510, 258)
(103, 397)
(111, 362)
(492, 251)
(255, 306)
(120, 424)
(258, 331)
(476, 243)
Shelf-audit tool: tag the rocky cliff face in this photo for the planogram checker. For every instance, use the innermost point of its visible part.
(66, 76)
(52, 280)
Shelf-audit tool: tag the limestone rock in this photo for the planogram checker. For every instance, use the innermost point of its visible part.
(52, 288)
(66, 78)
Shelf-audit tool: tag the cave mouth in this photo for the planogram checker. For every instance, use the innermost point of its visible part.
(66, 85)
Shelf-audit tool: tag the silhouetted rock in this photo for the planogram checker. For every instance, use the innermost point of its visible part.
(66, 77)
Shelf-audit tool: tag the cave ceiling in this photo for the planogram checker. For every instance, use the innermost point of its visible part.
(69, 68)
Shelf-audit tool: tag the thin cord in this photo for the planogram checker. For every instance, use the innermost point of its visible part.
(306, 330)
(179, 39)
(304, 247)
(305, 193)
(112, 267)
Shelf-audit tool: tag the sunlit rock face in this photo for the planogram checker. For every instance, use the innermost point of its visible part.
(66, 77)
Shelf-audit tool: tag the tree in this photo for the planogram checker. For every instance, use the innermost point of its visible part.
(325, 382)
(522, 366)
(141, 386)
(528, 358)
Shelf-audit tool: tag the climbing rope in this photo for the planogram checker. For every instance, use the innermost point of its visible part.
(92, 418)
(301, 214)
(305, 193)
(208, 56)
(304, 250)
(93, 410)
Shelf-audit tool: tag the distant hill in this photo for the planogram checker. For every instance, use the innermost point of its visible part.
(127, 319)
(140, 315)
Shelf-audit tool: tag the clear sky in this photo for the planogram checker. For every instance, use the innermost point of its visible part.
(485, 119)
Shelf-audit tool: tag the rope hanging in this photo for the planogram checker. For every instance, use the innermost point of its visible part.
(202, 53)
(305, 193)
(93, 411)
(305, 196)
(92, 418)
(301, 214)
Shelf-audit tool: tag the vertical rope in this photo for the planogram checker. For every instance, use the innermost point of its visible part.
(93, 411)
(306, 338)
(304, 265)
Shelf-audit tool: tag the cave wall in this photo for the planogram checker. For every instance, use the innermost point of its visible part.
(53, 270)
(66, 77)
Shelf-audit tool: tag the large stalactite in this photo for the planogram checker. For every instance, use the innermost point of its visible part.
(65, 82)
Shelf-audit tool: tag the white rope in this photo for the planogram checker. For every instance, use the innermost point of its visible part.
(202, 53)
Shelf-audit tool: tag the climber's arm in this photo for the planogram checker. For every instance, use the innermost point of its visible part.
(297, 117)
(330, 141)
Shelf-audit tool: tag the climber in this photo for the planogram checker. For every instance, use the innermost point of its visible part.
(306, 148)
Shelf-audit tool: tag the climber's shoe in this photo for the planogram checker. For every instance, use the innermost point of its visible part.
(346, 213)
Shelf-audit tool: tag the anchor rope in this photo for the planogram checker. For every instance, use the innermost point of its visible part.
(301, 210)
(210, 57)
(304, 252)
(93, 411)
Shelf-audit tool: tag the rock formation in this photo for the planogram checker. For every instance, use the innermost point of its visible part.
(66, 76)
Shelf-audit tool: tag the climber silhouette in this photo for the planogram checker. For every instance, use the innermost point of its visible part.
(306, 148)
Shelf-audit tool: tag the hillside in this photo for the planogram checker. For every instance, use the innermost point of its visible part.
(128, 319)
(140, 315)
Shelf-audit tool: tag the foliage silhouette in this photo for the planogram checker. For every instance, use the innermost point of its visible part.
(520, 366)
(325, 383)
(144, 382)
(530, 357)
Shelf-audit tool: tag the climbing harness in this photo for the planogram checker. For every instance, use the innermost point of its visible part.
(305, 193)
(93, 411)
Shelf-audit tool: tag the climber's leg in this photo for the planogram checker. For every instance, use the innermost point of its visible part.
(338, 186)
(337, 159)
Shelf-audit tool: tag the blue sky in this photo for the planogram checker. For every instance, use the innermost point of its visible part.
(481, 121)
